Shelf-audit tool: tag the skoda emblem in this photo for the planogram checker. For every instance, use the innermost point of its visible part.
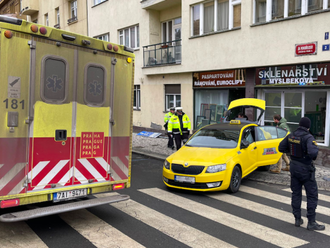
(185, 164)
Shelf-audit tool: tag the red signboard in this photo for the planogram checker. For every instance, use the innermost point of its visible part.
(306, 49)
(92, 144)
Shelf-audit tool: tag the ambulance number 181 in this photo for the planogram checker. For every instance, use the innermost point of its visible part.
(14, 104)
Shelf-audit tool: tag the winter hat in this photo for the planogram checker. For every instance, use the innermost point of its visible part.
(305, 122)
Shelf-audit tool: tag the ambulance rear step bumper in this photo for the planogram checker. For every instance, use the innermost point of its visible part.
(65, 207)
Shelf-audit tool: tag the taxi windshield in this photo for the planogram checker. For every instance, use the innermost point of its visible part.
(215, 138)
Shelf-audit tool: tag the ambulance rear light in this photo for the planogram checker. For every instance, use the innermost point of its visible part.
(34, 28)
(118, 186)
(43, 30)
(8, 34)
(9, 203)
(109, 46)
(68, 37)
(10, 20)
(128, 49)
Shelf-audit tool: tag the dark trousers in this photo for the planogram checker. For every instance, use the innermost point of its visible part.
(178, 139)
(301, 175)
(170, 142)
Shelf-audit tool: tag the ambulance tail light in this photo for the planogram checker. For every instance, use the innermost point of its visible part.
(10, 20)
(9, 203)
(118, 186)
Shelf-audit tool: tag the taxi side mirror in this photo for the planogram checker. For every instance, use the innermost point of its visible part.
(244, 144)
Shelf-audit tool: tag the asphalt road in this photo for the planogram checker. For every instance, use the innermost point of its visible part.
(257, 216)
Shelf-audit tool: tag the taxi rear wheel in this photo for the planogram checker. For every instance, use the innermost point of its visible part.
(235, 180)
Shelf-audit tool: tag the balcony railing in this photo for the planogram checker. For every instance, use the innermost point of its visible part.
(57, 25)
(162, 53)
(73, 19)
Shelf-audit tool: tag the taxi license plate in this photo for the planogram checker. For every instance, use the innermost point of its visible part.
(184, 179)
(68, 195)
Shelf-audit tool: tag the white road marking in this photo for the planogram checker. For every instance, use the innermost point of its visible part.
(321, 196)
(259, 231)
(97, 231)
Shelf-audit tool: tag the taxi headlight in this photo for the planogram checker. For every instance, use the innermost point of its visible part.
(216, 168)
(167, 164)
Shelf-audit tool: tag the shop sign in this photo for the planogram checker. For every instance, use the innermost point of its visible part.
(297, 75)
(229, 78)
(306, 49)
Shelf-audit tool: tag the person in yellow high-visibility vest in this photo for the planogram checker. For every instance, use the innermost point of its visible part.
(179, 126)
(167, 117)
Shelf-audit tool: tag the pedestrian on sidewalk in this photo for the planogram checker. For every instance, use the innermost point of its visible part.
(281, 123)
(179, 126)
(167, 117)
(303, 150)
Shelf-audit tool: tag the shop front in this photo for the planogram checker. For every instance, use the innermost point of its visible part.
(295, 91)
(213, 91)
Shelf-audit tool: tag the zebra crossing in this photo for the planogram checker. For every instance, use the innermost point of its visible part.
(254, 217)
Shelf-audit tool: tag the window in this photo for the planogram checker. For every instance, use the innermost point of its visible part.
(137, 94)
(104, 37)
(260, 11)
(98, 1)
(293, 104)
(267, 10)
(73, 9)
(215, 15)
(95, 79)
(130, 37)
(57, 11)
(54, 79)
(46, 20)
(277, 9)
(172, 96)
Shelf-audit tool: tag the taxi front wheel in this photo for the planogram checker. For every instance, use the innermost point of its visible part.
(235, 180)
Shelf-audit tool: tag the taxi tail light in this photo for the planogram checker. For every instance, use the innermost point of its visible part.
(9, 203)
(118, 186)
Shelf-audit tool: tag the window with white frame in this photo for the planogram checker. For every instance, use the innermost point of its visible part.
(46, 20)
(294, 104)
(172, 96)
(214, 16)
(98, 1)
(129, 37)
(137, 95)
(267, 10)
(57, 11)
(104, 37)
(73, 9)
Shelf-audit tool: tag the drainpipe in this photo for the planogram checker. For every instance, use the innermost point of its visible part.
(87, 12)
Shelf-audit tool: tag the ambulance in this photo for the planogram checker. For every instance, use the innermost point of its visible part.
(65, 120)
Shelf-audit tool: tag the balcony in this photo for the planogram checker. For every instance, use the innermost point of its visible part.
(72, 20)
(29, 7)
(57, 26)
(166, 53)
(159, 4)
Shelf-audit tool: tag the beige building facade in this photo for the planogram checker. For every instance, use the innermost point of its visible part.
(63, 14)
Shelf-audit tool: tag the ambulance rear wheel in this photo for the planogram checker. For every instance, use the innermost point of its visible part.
(235, 180)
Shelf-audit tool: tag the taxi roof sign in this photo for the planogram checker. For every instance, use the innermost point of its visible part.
(235, 122)
(248, 102)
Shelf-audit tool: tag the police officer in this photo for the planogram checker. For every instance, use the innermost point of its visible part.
(167, 117)
(179, 126)
(303, 150)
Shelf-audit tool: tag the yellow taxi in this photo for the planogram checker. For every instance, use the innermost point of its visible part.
(218, 156)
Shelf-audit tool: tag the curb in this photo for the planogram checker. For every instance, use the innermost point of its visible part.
(257, 176)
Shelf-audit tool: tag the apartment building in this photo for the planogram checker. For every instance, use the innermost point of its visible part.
(11, 7)
(201, 55)
(70, 15)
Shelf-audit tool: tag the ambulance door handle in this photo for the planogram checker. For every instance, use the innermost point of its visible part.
(60, 135)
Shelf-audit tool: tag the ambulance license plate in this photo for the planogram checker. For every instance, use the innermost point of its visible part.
(68, 195)
(184, 179)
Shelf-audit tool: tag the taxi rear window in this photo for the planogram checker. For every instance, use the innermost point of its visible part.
(215, 138)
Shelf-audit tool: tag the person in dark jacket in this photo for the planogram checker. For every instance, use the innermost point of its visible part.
(303, 150)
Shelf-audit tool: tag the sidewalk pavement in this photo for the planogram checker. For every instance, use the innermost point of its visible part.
(157, 148)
